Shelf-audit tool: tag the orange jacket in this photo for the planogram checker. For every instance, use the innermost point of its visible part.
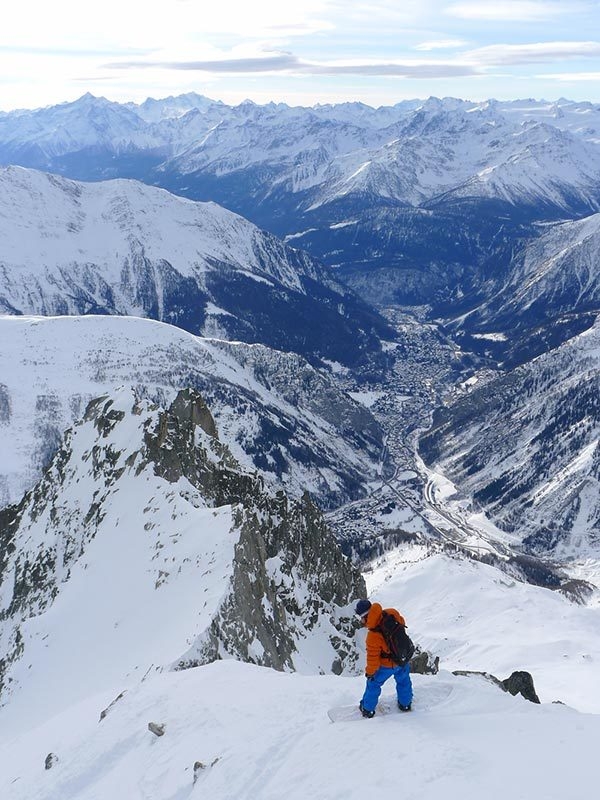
(376, 644)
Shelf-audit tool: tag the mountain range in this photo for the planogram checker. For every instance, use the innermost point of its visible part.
(424, 202)
(257, 362)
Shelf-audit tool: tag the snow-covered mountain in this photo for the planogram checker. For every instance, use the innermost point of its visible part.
(146, 546)
(121, 247)
(525, 448)
(275, 412)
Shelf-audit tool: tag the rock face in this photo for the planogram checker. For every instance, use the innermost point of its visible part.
(234, 570)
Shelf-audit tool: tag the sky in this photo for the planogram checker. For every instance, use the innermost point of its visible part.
(314, 51)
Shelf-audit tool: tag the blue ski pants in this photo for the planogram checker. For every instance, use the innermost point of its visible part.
(404, 690)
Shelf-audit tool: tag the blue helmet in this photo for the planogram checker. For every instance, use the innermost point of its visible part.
(362, 608)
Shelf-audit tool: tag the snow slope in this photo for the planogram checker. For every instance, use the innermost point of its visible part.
(478, 618)
(263, 735)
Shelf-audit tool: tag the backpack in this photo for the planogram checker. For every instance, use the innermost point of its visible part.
(399, 643)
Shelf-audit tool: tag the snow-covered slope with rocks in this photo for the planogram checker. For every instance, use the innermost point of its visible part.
(121, 247)
(476, 617)
(238, 731)
(525, 448)
(235, 730)
(276, 413)
(146, 546)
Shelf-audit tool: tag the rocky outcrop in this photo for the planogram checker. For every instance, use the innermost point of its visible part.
(424, 663)
(519, 682)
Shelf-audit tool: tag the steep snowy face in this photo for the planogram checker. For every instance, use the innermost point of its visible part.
(525, 447)
(146, 546)
(121, 247)
(275, 412)
(549, 292)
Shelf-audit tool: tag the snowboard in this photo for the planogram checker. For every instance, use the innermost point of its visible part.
(348, 713)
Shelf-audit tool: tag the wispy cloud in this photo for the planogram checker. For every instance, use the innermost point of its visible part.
(291, 64)
(535, 53)
(512, 10)
(277, 62)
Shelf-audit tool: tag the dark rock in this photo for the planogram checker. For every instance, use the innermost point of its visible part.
(51, 760)
(424, 663)
(109, 707)
(521, 683)
(156, 728)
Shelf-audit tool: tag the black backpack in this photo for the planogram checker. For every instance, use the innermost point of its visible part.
(399, 643)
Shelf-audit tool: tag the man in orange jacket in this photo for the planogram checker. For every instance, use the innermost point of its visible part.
(379, 666)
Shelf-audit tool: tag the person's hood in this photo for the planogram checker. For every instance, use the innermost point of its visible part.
(374, 615)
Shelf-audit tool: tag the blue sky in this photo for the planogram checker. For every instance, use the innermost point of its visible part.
(302, 52)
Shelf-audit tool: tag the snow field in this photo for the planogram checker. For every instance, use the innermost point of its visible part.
(477, 618)
(267, 736)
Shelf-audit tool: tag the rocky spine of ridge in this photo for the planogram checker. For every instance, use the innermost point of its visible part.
(288, 580)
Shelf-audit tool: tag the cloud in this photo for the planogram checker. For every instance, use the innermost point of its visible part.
(534, 53)
(278, 62)
(290, 64)
(441, 44)
(512, 10)
(567, 77)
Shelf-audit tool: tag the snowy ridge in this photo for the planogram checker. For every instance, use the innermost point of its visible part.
(275, 412)
(107, 225)
(145, 546)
